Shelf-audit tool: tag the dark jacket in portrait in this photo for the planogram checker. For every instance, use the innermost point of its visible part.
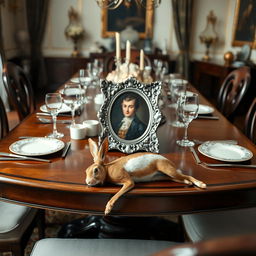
(136, 129)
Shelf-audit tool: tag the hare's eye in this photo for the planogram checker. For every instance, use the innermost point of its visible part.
(95, 171)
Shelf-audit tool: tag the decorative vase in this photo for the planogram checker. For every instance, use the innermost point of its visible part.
(74, 31)
(75, 52)
(209, 35)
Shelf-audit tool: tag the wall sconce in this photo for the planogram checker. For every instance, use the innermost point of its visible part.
(209, 35)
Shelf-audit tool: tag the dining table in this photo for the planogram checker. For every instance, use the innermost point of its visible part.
(60, 183)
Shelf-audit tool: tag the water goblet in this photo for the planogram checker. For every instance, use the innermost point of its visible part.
(71, 95)
(53, 103)
(177, 88)
(84, 80)
(188, 105)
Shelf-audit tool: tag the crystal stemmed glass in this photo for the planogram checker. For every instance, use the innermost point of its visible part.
(53, 103)
(72, 97)
(178, 87)
(188, 105)
(83, 79)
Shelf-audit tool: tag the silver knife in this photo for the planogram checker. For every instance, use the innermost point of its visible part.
(65, 151)
(48, 114)
(231, 165)
(198, 161)
(233, 142)
(14, 159)
(49, 121)
(24, 157)
(208, 117)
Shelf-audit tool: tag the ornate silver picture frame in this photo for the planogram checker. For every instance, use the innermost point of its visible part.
(134, 105)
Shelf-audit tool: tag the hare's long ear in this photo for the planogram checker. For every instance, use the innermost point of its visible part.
(103, 149)
(93, 148)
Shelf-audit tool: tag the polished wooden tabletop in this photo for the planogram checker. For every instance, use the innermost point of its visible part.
(60, 185)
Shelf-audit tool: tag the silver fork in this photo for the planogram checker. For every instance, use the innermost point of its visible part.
(49, 121)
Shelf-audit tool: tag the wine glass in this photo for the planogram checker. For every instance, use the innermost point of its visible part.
(188, 105)
(177, 88)
(84, 82)
(72, 97)
(53, 103)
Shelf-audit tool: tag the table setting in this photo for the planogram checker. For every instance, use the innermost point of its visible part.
(56, 139)
(227, 151)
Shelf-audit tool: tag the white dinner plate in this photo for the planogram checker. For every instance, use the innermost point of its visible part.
(36, 146)
(73, 91)
(64, 109)
(83, 79)
(204, 109)
(225, 151)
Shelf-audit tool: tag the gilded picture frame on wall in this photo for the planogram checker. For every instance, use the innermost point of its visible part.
(130, 115)
(128, 14)
(244, 28)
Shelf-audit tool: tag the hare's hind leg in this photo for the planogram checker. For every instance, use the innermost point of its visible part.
(177, 176)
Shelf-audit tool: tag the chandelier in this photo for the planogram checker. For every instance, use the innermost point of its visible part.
(113, 4)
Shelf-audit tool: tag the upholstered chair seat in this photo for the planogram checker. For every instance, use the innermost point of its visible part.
(99, 247)
(205, 226)
(11, 215)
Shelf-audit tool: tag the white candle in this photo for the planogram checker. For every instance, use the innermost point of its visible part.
(141, 60)
(128, 51)
(118, 49)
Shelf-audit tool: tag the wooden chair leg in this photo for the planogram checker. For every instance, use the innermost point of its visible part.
(41, 224)
(17, 250)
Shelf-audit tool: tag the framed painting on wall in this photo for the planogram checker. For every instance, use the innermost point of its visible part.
(128, 14)
(244, 30)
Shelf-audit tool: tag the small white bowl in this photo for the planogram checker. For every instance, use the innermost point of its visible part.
(92, 127)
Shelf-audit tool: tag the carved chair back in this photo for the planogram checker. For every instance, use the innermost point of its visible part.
(4, 127)
(19, 89)
(233, 90)
(250, 122)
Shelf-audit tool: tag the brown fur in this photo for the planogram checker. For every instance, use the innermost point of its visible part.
(114, 171)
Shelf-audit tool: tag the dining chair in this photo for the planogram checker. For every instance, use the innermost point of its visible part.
(227, 246)
(16, 222)
(205, 226)
(4, 126)
(232, 245)
(19, 89)
(232, 91)
(99, 247)
(250, 122)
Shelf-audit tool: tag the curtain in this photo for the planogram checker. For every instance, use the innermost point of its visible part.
(182, 18)
(36, 19)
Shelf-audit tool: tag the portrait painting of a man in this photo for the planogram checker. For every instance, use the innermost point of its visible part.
(129, 116)
(245, 23)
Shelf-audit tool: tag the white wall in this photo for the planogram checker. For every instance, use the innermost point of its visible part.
(55, 43)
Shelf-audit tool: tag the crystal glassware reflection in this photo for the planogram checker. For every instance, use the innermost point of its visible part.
(53, 103)
(188, 105)
(72, 94)
(178, 88)
(84, 81)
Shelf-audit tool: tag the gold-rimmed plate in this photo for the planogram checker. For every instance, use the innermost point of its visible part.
(36, 146)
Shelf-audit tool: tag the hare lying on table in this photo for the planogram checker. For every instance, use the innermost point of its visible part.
(129, 169)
